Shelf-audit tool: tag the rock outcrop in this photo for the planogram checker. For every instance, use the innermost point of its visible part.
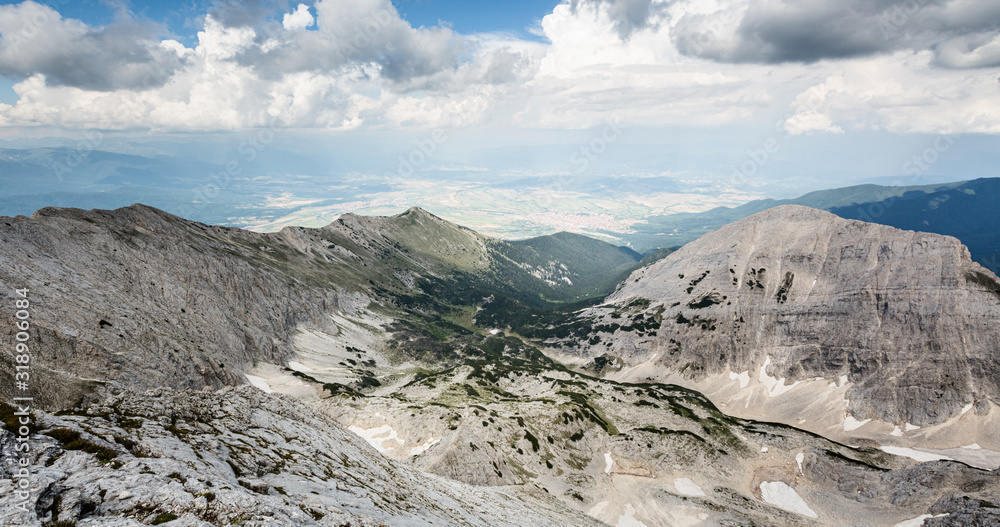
(904, 319)
(238, 456)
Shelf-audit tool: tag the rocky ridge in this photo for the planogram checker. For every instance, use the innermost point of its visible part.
(403, 343)
(239, 456)
(148, 299)
(893, 326)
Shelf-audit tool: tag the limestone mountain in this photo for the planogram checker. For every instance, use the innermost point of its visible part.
(146, 298)
(399, 329)
(798, 315)
(967, 210)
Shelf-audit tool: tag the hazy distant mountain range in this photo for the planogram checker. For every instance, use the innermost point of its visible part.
(279, 188)
(967, 210)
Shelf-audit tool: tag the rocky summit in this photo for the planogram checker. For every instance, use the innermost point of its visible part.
(792, 368)
(798, 315)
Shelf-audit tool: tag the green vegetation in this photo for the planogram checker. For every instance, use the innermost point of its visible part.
(70, 440)
(590, 411)
(786, 285)
(984, 281)
(164, 518)
(706, 300)
(12, 422)
(531, 439)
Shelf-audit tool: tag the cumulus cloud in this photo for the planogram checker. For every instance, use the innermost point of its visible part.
(37, 40)
(301, 18)
(962, 33)
(901, 93)
(362, 64)
(345, 65)
(243, 13)
(628, 16)
(371, 31)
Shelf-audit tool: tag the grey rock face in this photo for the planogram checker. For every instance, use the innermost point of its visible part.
(240, 456)
(146, 299)
(911, 321)
(606, 448)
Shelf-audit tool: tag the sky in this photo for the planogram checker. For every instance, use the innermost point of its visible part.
(779, 90)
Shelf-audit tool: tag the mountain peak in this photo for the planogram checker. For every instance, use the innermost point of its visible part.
(761, 293)
(417, 212)
(793, 212)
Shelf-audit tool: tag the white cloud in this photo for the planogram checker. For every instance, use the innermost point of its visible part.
(301, 18)
(37, 40)
(900, 93)
(361, 65)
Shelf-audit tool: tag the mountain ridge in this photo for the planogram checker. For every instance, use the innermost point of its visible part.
(907, 318)
(964, 209)
(391, 327)
(181, 290)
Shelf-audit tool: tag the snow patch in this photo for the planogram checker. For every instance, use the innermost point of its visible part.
(628, 519)
(919, 520)
(383, 438)
(909, 428)
(913, 454)
(744, 378)
(494, 331)
(966, 408)
(779, 494)
(896, 432)
(298, 366)
(763, 450)
(775, 386)
(799, 458)
(608, 463)
(420, 449)
(973, 446)
(688, 488)
(598, 509)
(850, 423)
(259, 382)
